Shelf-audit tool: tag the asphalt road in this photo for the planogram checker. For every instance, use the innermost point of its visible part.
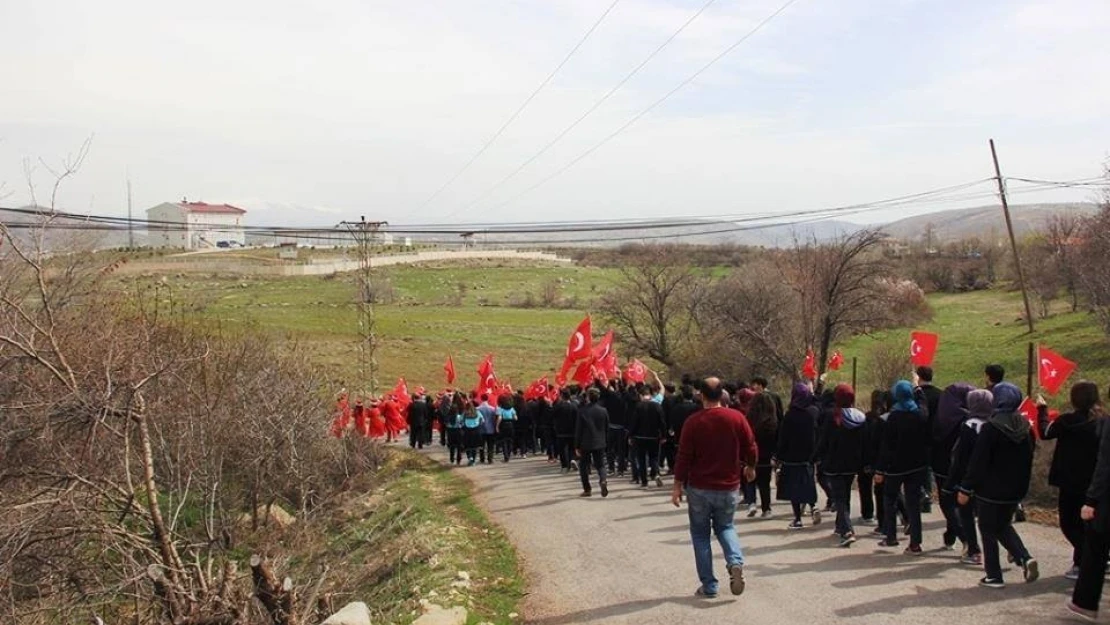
(628, 559)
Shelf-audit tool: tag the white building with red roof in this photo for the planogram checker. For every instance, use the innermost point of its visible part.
(195, 225)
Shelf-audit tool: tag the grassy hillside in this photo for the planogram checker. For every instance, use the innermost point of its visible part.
(427, 320)
(985, 327)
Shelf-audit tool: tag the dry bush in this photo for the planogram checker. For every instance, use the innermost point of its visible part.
(132, 439)
(889, 363)
(1093, 270)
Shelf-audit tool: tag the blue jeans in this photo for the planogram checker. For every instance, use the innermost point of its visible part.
(713, 510)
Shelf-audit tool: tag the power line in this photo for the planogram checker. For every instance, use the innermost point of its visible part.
(521, 108)
(651, 107)
(635, 70)
(953, 193)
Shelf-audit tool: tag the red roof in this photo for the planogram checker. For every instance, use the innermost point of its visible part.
(201, 207)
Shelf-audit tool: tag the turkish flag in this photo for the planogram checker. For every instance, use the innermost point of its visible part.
(1053, 370)
(835, 361)
(605, 348)
(561, 378)
(449, 369)
(636, 372)
(1028, 409)
(579, 345)
(609, 367)
(923, 348)
(487, 379)
(584, 374)
(809, 367)
(537, 389)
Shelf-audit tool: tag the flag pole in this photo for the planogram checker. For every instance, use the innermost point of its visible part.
(1029, 363)
(854, 359)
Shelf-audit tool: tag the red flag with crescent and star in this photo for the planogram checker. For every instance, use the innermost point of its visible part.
(604, 347)
(537, 389)
(1053, 369)
(580, 344)
(487, 379)
(1028, 409)
(923, 348)
(636, 372)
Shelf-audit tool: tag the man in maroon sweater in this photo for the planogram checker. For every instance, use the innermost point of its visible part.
(716, 446)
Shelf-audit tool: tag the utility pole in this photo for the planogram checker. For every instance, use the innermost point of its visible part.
(364, 232)
(130, 221)
(1013, 241)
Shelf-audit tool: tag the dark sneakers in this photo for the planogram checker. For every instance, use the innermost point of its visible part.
(604, 489)
(1031, 570)
(700, 592)
(587, 493)
(736, 581)
(990, 582)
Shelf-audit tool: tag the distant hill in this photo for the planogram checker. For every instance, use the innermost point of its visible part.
(71, 237)
(982, 221)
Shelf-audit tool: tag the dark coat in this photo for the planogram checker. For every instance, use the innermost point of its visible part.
(904, 447)
(565, 417)
(418, 414)
(797, 438)
(678, 413)
(840, 448)
(1002, 462)
(592, 429)
(1077, 438)
(1098, 493)
(648, 422)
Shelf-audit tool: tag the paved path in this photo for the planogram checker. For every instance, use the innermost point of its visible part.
(627, 559)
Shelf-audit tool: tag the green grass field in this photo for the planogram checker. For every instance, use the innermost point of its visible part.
(986, 327)
(428, 320)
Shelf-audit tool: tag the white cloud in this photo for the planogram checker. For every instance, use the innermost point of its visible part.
(367, 108)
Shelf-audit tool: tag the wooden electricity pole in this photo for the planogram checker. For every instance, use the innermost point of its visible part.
(1013, 240)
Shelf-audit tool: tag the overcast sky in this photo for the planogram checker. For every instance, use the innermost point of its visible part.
(314, 112)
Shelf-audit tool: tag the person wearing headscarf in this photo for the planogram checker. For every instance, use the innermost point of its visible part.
(1095, 513)
(951, 413)
(840, 454)
(998, 478)
(980, 405)
(1073, 461)
(903, 462)
(794, 453)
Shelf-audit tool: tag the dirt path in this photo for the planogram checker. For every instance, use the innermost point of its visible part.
(627, 559)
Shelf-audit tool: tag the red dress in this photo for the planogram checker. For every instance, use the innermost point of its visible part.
(394, 420)
(377, 423)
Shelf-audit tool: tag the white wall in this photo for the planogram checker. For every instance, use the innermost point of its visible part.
(163, 236)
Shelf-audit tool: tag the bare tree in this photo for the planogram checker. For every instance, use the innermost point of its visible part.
(651, 304)
(1092, 268)
(1061, 236)
(839, 288)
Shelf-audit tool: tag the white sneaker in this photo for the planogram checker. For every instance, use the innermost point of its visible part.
(1072, 574)
(753, 510)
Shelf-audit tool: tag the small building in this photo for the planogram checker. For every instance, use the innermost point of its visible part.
(195, 225)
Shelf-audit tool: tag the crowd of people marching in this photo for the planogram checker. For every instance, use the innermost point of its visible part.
(966, 450)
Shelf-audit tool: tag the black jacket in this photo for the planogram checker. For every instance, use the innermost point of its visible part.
(961, 452)
(565, 416)
(418, 414)
(904, 447)
(648, 421)
(840, 448)
(1098, 494)
(1002, 462)
(543, 414)
(614, 404)
(1073, 461)
(678, 413)
(932, 399)
(592, 428)
(797, 436)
